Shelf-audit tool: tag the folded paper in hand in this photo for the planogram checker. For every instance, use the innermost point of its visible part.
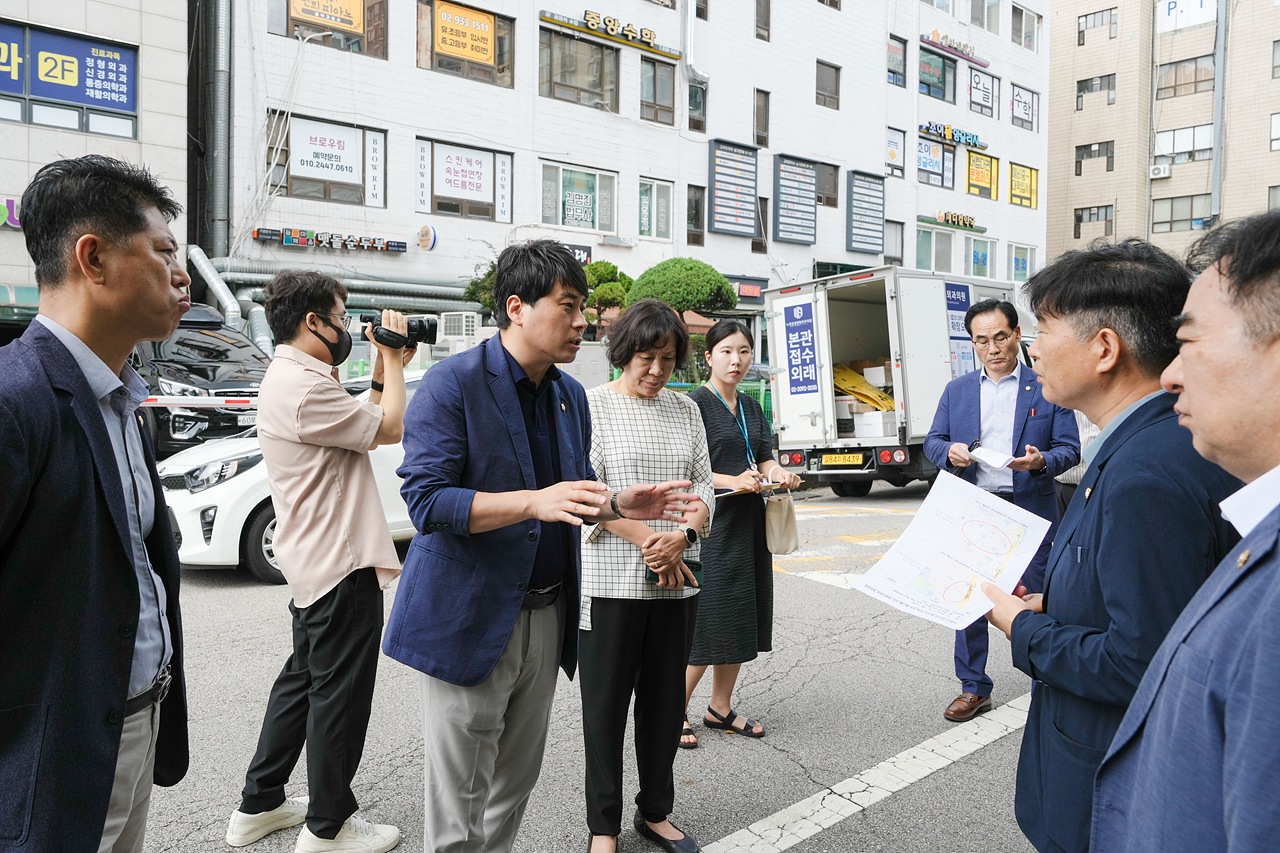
(991, 458)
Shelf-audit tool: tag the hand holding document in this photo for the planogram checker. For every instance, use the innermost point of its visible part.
(961, 536)
(990, 458)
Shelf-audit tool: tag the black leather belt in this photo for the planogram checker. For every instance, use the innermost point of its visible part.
(1008, 496)
(536, 599)
(153, 695)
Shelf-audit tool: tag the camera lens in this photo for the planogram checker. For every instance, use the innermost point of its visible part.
(422, 331)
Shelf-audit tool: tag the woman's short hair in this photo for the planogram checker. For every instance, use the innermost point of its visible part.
(727, 329)
(643, 326)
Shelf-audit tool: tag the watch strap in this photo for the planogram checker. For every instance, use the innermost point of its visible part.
(613, 505)
(376, 386)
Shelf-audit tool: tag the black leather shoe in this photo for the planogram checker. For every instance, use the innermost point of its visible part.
(684, 845)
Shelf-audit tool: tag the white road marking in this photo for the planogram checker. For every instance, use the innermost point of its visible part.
(828, 807)
(811, 516)
(844, 580)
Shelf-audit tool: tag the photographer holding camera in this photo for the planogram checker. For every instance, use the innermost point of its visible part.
(335, 550)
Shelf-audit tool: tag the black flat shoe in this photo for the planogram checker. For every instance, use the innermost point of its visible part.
(684, 845)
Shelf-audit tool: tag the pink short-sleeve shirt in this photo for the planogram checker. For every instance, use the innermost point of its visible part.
(315, 440)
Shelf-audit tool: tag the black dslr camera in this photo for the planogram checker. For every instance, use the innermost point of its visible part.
(420, 331)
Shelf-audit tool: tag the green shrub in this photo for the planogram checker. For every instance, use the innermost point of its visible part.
(686, 285)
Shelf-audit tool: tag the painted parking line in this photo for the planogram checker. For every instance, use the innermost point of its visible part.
(829, 806)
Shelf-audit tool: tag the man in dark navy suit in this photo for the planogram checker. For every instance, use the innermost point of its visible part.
(1194, 764)
(1001, 408)
(1142, 533)
(92, 703)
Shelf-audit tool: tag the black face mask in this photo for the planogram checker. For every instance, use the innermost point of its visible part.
(342, 348)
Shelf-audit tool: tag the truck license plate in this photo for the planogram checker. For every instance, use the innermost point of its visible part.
(842, 459)
(246, 420)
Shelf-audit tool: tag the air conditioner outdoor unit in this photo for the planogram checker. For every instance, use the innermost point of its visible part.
(1157, 172)
(455, 324)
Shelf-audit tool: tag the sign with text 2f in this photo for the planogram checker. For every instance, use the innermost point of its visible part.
(802, 348)
(82, 71)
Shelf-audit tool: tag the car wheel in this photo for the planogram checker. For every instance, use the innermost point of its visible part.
(259, 546)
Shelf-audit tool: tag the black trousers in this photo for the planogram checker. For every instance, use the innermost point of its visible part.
(640, 646)
(322, 699)
(1066, 491)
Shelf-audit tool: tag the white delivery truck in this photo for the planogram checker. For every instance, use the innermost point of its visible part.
(912, 318)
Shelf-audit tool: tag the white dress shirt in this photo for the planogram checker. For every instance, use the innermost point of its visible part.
(999, 403)
(1251, 504)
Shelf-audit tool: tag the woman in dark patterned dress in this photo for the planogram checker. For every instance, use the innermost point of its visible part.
(735, 616)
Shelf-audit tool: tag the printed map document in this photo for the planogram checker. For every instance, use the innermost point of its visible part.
(960, 537)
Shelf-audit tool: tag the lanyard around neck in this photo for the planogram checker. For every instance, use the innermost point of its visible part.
(742, 425)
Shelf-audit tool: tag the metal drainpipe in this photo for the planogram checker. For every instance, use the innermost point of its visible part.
(269, 268)
(1219, 93)
(376, 302)
(226, 299)
(218, 45)
(690, 17)
(259, 329)
(356, 285)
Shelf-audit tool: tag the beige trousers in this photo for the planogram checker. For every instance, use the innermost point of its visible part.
(126, 824)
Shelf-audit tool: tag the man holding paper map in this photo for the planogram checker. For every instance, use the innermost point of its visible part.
(994, 428)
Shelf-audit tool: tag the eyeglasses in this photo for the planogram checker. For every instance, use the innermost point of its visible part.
(342, 318)
(999, 341)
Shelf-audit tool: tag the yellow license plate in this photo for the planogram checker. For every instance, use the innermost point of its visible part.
(842, 459)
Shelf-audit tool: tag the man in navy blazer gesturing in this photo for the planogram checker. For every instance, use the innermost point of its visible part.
(1143, 530)
(497, 480)
(1001, 408)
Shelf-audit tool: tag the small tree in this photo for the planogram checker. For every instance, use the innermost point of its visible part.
(686, 285)
(600, 272)
(608, 295)
(480, 288)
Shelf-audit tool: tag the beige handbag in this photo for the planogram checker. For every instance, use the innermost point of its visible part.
(780, 524)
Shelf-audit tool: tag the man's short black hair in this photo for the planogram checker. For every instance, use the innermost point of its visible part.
(293, 294)
(1247, 255)
(530, 271)
(986, 306)
(643, 326)
(88, 195)
(1130, 287)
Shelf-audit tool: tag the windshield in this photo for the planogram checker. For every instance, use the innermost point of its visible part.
(222, 345)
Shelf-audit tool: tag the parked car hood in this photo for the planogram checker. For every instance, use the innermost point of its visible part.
(210, 451)
(214, 375)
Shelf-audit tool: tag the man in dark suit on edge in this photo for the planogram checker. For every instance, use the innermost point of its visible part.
(92, 701)
(1141, 534)
(1000, 407)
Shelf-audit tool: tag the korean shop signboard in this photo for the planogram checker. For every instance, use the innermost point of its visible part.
(345, 15)
(984, 171)
(1023, 185)
(464, 33)
(326, 152)
(70, 69)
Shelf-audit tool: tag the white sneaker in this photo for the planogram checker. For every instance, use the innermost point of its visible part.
(356, 836)
(248, 828)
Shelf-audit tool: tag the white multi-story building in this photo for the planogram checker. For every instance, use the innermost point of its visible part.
(411, 141)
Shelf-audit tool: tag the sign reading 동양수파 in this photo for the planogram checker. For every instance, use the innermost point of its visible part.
(802, 350)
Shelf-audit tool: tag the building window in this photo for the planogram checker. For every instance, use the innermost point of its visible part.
(1106, 18)
(655, 209)
(828, 185)
(935, 163)
(326, 162)
(64, 81)
(1024, 186)
(362, 30)
(695, 223)
(577, 70)
(760, 243)
(1185, 78)
(1097, 149)
(984, 176)
(948, 6)
(1094, 214)
(1275, 131)
(467, 182)
(466, 42)
(834, 4)
(1184, 213)
(1026, 108)
(698, 107)
(895, 153)
(898, 61)
(893, 242)
(702, 9)
(1273, 198)
(578, 198)
(1022, 262)
(1096, 84)
(985, 14)
(984, 93)
(762, 20)
(937, 77)
(933, 250)
(762, 118)
(979, 254)
(1025, 29)
(828, 94)
(1275, 59)
(657, 91)
(1188, 143)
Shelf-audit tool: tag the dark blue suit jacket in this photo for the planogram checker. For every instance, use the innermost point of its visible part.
(69, 605)
(1052, 430)
(1195, 763)
(460, 594)
(1142, 533)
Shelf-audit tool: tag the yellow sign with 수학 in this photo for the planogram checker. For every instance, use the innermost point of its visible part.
(464, 33)
(345, 15)
(1022, 185)
(983, 173)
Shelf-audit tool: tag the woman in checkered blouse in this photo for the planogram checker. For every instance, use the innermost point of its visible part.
(636, 631)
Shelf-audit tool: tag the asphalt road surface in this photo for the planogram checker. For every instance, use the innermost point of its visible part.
(858, 756)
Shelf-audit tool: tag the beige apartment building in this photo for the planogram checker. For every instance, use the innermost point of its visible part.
(1164, 118)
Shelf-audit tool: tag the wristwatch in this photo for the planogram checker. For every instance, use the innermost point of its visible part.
(376, 386)
(613, 505)
(690, 535)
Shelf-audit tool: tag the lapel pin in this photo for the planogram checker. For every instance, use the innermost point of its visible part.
(1088, 491)
(1242, 559)
(562, 408)
(1028, 388)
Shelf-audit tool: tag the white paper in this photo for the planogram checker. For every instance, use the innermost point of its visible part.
(960, 537)
(991, 458)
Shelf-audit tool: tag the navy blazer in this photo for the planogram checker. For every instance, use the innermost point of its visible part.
(1141, 535)
(1195, 763)
(69, 605)
(460, 594)
(1052, 430)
